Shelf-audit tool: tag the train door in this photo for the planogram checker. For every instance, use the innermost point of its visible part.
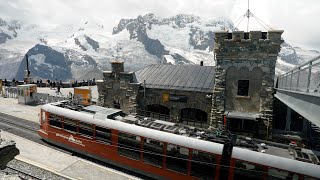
(43, 121)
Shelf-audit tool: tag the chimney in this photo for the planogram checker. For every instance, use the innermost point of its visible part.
(117, 66)
(201, 63)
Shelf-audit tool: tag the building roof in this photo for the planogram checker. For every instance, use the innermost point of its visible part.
(178, 77)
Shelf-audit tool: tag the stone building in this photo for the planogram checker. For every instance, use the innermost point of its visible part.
(181, 94)
(167, 92)
(244, 79)
(236, 94)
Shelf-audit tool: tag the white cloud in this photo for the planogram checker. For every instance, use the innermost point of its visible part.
(298, 18)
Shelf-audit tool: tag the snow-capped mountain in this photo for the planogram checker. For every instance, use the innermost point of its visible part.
(65, 52)
(290, 57)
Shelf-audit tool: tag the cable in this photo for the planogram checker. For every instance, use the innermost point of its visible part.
(261, 21)
(260, 24)
(243, 16)
(238, 20)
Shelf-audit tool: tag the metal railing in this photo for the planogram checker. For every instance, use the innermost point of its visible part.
(304, 78)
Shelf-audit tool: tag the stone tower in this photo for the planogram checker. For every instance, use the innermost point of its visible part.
(244, 79)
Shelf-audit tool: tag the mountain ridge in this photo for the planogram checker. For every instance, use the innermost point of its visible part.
(83, 51)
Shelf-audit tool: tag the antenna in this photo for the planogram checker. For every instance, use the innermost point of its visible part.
(249, 14)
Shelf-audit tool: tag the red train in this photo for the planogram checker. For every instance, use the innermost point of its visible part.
(164, 150)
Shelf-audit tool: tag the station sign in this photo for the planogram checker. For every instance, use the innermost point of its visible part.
(174, 98)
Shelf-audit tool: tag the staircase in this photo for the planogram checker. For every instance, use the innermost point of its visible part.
(314, 136)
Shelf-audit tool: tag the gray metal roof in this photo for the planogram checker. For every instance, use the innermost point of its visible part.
(178, 77)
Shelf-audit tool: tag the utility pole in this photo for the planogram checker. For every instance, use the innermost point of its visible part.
(27, 78)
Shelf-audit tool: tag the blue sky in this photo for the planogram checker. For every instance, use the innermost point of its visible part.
(298, 18)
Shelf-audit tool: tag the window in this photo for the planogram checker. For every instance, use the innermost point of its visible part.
(243, 87)
(177, 158)
(55, 121)
(249, 125)
(281, 174)
(153, 152)
(309, 178)
(116, 104)
(203, 165)
(85, 129)
(103, 135)
(245, 170)
(129, 145)
(70, 125)
(246, 35)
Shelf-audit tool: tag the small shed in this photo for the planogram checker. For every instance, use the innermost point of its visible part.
(25, 93)
(84, 94)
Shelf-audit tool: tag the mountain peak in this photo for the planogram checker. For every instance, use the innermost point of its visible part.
(3, 22)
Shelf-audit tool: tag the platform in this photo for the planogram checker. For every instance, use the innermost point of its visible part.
(11, 106)
(62, 164)
(44, 157)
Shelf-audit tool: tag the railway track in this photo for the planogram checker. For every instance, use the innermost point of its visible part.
(21, 174)
(27, 171)
(19, 124)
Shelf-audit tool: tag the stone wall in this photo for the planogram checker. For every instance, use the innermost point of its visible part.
(195, 100)
(245, 56)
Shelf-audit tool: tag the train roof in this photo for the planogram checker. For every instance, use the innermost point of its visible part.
(277, 162)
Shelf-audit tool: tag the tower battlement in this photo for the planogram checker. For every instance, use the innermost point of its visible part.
(251, 45)
(272, 35)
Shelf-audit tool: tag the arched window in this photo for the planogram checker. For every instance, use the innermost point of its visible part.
(194, 117)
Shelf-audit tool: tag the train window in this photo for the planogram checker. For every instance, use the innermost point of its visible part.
(85, 129)
(55, 120)
(129, 145)
(177, 158)
(309, 178)
(275, 174)
(245, 170)
(203, 165)
(70, 125)
(153, 152)
(103, 134)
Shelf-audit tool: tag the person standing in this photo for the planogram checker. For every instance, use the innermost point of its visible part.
(59, 89)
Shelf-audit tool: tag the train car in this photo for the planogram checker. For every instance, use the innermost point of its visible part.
(138, 145)
(275, 164)
(159, 149)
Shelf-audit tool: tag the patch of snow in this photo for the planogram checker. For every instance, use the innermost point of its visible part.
(169, 59)
(39, 59)
(171, 37)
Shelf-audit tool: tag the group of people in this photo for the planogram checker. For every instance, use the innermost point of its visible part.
(52, 84)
